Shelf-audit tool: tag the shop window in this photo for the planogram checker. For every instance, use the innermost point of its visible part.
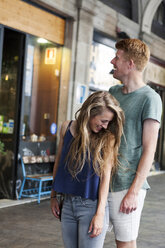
(158, 24)
(160, 14)
(101, 69)
(127, 8)
(42, 74)
(11, 72)
(12, 44)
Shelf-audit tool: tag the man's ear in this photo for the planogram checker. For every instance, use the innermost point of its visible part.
(131, 64)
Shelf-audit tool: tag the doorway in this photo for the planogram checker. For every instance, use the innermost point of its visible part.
(160, 150)
(11, 68)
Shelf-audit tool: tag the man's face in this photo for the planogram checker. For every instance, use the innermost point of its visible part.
(120, 65)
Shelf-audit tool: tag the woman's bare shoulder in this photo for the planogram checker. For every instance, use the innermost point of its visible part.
(64, 127)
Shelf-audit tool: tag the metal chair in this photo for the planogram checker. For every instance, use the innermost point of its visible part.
(40, 178)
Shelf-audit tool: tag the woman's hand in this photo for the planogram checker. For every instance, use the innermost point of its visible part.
(96, 225)
(55, 207)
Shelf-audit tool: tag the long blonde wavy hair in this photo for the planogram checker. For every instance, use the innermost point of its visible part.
(88, 145)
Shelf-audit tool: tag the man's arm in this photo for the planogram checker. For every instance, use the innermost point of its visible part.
(149, 139)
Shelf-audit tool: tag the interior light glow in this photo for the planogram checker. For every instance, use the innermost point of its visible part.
(6, 77)
(42, 41)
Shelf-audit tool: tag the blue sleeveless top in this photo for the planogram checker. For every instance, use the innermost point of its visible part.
(85, 184)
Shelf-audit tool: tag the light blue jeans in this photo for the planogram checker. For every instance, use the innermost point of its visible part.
(77, 214)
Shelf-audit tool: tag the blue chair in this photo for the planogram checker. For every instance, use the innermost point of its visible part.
(40, 178)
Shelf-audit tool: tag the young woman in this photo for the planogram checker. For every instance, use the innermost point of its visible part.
(87, 157)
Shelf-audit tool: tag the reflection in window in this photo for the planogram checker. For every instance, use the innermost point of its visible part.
(123, 7)
(11, 70)
(8, 84)
(41, 89)
(158, 24)
(160, 14)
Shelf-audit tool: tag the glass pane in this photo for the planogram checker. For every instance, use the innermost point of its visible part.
(41, 90)
(8, 87)
(10, 73)
(101, 69)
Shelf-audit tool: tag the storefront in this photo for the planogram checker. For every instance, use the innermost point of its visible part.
(31, 50)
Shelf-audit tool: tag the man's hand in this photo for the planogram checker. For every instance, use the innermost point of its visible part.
(129, 203)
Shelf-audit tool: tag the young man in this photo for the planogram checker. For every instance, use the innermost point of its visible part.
(142, 107)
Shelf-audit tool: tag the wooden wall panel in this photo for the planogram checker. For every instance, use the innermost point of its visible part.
(27, 18)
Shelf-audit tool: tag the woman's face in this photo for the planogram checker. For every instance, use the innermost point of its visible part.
(101, 121)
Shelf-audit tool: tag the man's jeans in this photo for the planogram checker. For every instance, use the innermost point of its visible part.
(77, 214)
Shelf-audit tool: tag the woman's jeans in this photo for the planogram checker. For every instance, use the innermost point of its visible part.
(77, 214)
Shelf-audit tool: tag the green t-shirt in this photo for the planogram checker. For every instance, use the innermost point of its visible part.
(138, 106)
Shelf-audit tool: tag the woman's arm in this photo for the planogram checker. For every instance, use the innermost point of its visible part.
(97, 222)
(54, 202)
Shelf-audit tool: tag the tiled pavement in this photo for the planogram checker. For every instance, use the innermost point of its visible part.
(33, 225)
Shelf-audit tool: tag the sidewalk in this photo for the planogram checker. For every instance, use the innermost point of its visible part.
(33, 225)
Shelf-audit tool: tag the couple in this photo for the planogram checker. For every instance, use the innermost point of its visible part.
(100, 155)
